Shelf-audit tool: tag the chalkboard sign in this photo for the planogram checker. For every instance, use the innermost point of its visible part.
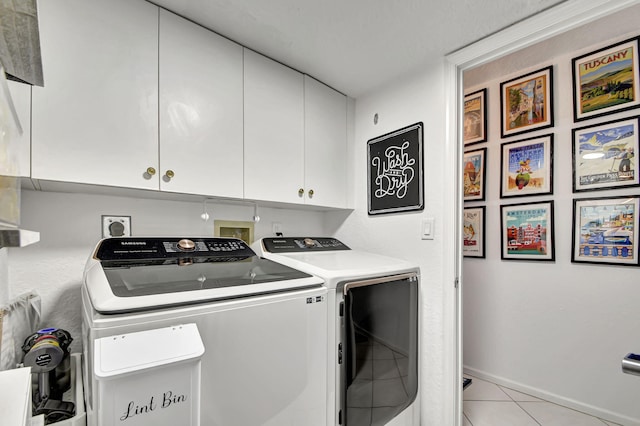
(395, 182)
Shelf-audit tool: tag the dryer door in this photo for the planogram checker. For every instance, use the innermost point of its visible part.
(380, 374)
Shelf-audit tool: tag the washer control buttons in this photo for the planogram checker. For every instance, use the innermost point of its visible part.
(186, 245)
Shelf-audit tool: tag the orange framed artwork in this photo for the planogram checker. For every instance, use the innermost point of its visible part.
(526, 102)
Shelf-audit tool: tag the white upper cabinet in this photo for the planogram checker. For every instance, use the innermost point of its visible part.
(274, 130)
(21, 97)
(201, 129)
(138, 97)
(325, 129)
(96, 119)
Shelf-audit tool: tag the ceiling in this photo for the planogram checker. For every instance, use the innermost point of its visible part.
(356, 46)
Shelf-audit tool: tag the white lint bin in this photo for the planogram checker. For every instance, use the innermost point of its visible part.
(149, 377)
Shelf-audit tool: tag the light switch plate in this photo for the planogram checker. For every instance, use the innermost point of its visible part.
(116, 226)
(428, 228)
(276, 228)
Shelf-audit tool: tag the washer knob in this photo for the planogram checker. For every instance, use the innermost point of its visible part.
(308, 242)
(186, 245)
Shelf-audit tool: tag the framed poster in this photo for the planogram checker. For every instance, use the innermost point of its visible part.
(527, 231)
(606, 81)
(473, 232)
(526, 103)
(474, 174)
(605, 230)
(475, 117)
(395, 181)
(604, 155)
(527, 167)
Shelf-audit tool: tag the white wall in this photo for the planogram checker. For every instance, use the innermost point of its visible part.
(556, 330)
(70, 226)
(414, 99)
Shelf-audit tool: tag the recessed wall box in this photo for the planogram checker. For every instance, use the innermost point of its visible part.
(116, 226)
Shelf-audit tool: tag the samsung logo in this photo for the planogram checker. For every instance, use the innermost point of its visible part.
(133, 243)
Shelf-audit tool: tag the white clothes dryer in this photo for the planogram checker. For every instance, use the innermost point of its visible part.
(262, 326)
(372, 328)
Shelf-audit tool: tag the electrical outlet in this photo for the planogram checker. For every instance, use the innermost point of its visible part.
(116, 226)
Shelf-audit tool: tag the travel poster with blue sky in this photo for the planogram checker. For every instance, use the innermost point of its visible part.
(526, 167)
(606, 230)
(604, 155)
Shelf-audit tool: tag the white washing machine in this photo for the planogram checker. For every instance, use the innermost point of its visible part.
(372, 328)
(263, 328)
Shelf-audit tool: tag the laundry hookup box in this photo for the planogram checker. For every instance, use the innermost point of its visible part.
(150, 377)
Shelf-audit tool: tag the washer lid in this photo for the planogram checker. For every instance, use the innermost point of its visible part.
(148, 273)
(174, 276)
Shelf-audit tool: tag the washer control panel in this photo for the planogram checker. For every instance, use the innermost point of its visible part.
(163, 248)
(302, 244)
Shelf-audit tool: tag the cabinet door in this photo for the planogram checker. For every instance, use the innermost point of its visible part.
(21, 97)
(325, 128)
(96, 119)
(200, 110)
(274, 132)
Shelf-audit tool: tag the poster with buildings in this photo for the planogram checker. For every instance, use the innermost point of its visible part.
(527, 231)
(527, 103)
(606, 230)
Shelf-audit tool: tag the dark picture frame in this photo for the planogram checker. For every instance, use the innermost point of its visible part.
(474, 175)
(526, 103)
(395, 171)
(526, 167)
(605, 230)
(474, 241)
(475, 117)
(606, 81)
(604, 155)
(527, 231)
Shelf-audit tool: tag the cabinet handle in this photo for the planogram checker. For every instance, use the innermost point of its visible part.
(169, 174)
(300, 192)
(151, 171)
(311, 193)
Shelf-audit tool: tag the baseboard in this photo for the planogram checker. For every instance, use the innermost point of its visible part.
(551, 397)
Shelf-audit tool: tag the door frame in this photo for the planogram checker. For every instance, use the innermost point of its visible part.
(556, 20)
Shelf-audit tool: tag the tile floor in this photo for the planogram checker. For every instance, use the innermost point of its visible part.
(488, 404)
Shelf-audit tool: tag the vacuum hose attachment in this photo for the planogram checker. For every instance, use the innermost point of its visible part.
(45, 351)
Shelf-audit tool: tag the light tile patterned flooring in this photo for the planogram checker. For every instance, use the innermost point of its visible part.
(488, 404)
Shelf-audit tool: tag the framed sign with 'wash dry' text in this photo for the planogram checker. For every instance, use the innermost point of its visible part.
(395, 182)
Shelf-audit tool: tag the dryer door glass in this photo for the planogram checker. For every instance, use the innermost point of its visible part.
(381, 360)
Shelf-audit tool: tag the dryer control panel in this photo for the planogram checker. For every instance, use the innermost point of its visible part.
(302, 244)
